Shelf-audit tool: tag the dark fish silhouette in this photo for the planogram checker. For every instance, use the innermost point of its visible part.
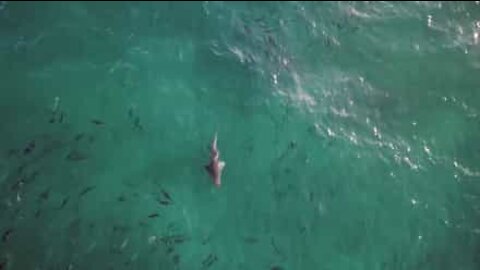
(166, 195)
(76, 155)
(97, 122)
(137, 124)
(211, 259)
(87, 190)
(18, 184)
(29, 148)
(79, 136)
(164, 202)
(45, 194)
(174, 239)
(64, 202)
(250, 240)
(176, 259)
(7, 234)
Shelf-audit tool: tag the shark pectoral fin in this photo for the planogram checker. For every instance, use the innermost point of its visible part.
(221, 165)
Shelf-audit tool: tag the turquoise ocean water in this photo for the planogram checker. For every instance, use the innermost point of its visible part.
(350, 132)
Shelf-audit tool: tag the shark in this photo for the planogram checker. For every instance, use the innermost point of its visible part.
(216, 166)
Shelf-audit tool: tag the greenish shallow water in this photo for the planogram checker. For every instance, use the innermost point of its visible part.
(350, 133)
